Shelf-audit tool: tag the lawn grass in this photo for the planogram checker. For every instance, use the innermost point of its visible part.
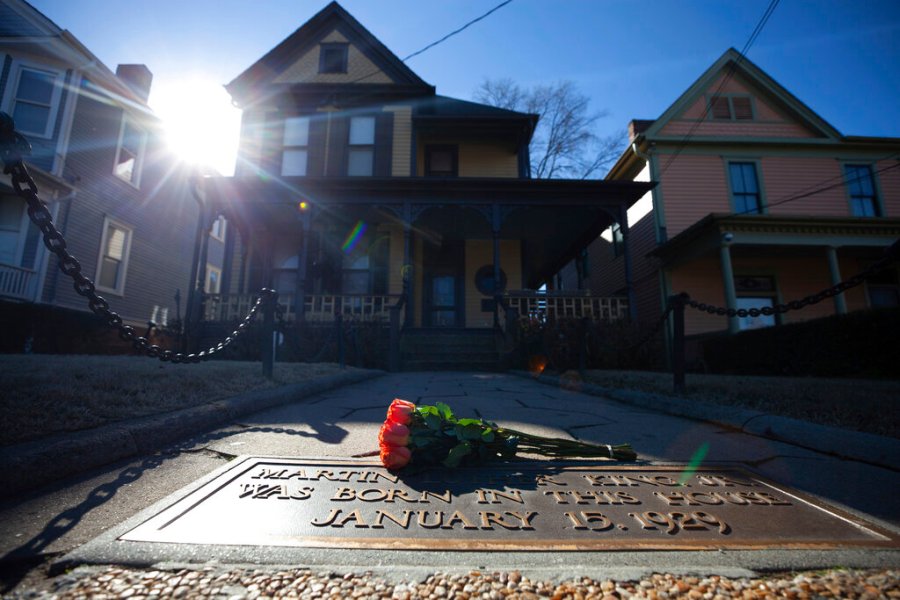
(872, 406)
(47, 394)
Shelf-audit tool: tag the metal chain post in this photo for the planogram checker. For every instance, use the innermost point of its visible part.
(13, 146)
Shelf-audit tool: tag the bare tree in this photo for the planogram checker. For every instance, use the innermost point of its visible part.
(564, 144)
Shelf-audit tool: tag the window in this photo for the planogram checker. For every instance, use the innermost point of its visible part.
(218, 228)
(884, 288)
(296, 146)
(861, 187)
(355, 276)
(114, 248)
(441, 161)
(744, 188)
(213, 283)
(11, 210)
(618, 240)
(730, 108)
(333, 58)
(755, 292)
(34, 102)
(361, 154)
(129, 155)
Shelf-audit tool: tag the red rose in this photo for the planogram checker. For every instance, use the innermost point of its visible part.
(401, 411)
(395, 457)
(394, 434)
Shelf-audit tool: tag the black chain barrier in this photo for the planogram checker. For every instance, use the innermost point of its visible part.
(892, 255)
(13, 145)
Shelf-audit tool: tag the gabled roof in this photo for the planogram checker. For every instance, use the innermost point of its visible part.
(332, 17)
(741, 65)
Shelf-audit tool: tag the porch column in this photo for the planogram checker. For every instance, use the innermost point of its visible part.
(626, 258)
(728, 285)
(302, 258)
(840, 301)
(407, 264)
(495, 234)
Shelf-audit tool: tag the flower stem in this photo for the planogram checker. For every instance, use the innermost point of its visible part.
(562, 448)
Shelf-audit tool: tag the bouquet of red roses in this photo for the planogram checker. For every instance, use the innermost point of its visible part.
(432, 435)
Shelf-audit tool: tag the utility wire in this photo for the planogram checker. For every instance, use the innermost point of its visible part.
(732, 68)
(440, 41)
(452, 33)
(818, 190)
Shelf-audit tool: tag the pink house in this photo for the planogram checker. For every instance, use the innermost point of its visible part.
(759, 201)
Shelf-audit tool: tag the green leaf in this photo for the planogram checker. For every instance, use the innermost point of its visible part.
(459, 452)
(469, 432)
(444, 411)
(487, 436)
(433, 422)
(467, 422)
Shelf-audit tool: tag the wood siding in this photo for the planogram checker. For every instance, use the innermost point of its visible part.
(402, 142)
(476, 159)
(769, 120)
(359, 68)
(693, 186)
(162, 216)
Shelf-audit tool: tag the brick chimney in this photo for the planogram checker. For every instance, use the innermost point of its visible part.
(638, 126)
(136, 77)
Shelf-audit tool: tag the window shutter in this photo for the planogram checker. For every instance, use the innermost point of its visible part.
(337, 146)
(384, 138)
(743, 109)
(315, 165)
(719, 107)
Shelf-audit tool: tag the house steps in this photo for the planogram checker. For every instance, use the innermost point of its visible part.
(448, 350)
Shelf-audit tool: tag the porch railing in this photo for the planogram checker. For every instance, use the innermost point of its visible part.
(551, 305)
(16, 282)
(316, 307)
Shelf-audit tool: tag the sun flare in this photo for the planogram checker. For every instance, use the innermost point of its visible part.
(201, 125)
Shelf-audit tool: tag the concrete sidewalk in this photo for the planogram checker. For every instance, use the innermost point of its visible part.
(344, 421)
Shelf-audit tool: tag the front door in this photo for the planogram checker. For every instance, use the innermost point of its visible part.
(443, 274)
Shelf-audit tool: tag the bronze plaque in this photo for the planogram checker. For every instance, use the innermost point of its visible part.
(519, 506)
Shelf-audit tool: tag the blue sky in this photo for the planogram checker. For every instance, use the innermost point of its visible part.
(633, 59)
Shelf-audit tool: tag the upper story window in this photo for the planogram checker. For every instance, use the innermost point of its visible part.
(730, 108)
(34, 100)
(130, 152)
(361, 147)
(296, 146)
(333, 58)
(217, 230)
(861, 188)
(745, 193)
(115, 247)
(441, 161)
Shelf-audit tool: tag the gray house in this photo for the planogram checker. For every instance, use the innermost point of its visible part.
(122, 201)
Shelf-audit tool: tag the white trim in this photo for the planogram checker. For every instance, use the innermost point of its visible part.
(119, 290)
(222, 229)
(135, 179)
(65, 127)
(12, 85)
(210, 269)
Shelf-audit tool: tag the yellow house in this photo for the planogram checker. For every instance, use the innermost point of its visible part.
(358, 189)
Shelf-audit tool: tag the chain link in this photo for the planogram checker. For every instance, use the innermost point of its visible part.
(892, 255)
(12, 146)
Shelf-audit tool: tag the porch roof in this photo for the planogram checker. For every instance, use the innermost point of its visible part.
(554, 218)
(706, 236)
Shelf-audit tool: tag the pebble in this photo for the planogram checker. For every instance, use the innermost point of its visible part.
(116, 582)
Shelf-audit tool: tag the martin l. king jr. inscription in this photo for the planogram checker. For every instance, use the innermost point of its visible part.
(517, 506)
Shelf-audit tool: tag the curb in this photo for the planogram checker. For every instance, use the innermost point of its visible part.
(31, 464)
(869, 448)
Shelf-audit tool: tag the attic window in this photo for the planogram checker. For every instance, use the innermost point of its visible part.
(333, 58)
(730, 108)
